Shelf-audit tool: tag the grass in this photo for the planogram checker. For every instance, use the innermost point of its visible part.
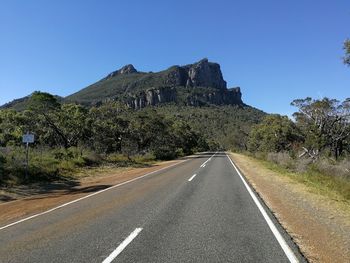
(47, 165)
(333, 186)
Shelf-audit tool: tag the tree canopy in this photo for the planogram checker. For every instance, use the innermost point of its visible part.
(346, 48)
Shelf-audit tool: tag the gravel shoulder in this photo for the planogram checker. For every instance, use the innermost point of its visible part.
(25, 201)
(318, 224)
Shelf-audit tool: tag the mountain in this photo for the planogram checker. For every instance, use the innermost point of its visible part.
(196, 94)
(22, 103)
(198, 84)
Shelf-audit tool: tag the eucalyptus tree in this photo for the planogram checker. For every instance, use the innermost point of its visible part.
(325, 124)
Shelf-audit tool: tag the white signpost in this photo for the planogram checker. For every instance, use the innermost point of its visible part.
(27, 139)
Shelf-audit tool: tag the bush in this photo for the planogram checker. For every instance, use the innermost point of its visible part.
(302, 165)
(92, 159)
(328, 167)
(281, 158)
(147, 157)
(164, 153)
(2, 167)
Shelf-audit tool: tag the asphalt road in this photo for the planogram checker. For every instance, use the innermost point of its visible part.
(197, 211)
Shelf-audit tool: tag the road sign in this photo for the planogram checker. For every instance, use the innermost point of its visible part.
(28, 138)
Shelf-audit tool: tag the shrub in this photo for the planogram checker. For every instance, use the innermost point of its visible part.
(281, 158)
(147, 157)
(93, 158)
(328, 167)
(2, 167)
(164, 153)
(302, 165)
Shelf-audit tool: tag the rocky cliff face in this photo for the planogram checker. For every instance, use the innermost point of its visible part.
(200, 74)
(156, 96)
(205, 74)
(152, 97)
(220, 97)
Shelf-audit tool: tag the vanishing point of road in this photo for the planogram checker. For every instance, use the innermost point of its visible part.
(199, 210)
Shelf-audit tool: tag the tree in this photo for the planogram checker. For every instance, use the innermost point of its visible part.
(275, 133)
(346, 48)
(108, 127)
(325, 124)
(62, 125)
(10, 129)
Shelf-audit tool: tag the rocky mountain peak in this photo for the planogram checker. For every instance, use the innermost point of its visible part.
(205, 74)
(197, 84)
(127, 69)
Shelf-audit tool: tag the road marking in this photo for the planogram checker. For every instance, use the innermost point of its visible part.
(287, 250)
(209, 159)
(193, 176)
(122, 246)
(87, 196)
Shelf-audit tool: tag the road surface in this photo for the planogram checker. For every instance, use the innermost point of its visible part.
(199, 210)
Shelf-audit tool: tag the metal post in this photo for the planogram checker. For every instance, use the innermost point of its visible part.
(27, 161)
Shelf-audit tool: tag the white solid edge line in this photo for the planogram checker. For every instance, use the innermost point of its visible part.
(287, 250)
(87, 196)
(122, 246)
(193, 176)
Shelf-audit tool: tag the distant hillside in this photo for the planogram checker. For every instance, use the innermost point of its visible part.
(198, 84)
(223, 127)
(22, 103)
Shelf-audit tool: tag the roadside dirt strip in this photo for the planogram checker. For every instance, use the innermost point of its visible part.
(319, 225)
(22, 208)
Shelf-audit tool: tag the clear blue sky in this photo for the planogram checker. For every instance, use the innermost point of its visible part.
(275, 51)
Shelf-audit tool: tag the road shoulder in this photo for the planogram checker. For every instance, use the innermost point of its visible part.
(39, 202)
(318, 224)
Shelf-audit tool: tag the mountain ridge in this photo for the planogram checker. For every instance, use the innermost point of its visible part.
(197, 84)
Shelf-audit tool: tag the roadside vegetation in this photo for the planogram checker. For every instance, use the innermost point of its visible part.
(314, 149)
(69, 136)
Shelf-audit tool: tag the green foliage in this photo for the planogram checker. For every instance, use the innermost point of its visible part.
(41, 102)
(325, 125)
(216, 127)
(321, 130)
(275, 133)
(2, 166)
(10, 128)
(69, 136)
(322, 176)
(346, 48)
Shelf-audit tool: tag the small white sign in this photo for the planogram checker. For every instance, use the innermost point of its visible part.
(28, 138)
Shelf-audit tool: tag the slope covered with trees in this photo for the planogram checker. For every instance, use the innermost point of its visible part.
(69, 134)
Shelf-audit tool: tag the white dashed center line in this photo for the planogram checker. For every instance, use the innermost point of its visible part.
(123, 245)
(193, 176)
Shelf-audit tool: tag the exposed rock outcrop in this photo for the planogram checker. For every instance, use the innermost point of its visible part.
(127, 69)
(156, 96)
(152, 97)
(221, 97)
(205, 74)
(200, 74)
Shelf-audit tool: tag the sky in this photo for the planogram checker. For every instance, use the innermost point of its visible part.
(276, 51)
